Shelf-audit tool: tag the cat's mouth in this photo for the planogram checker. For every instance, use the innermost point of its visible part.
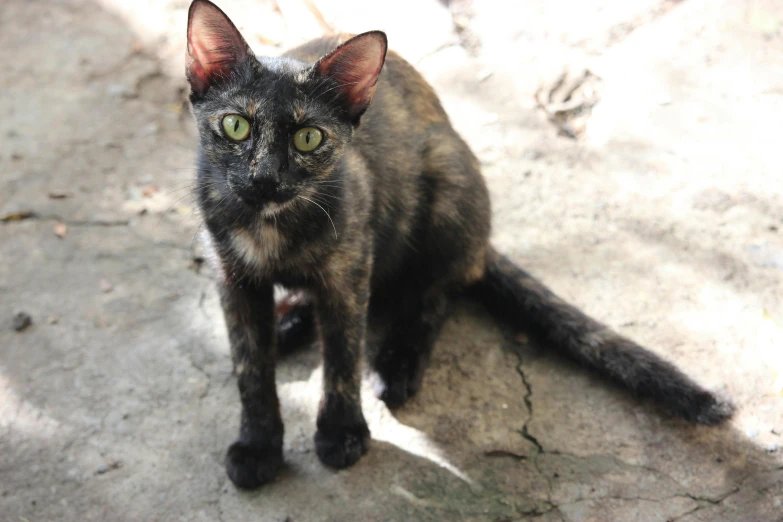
(268, 209)
(268, 203)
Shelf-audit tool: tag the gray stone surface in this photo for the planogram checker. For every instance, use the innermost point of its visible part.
(664, 220)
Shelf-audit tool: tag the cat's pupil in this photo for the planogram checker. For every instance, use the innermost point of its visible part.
(236, 126)
(307, 138)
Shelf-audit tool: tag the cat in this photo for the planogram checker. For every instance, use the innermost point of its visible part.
(334, 170)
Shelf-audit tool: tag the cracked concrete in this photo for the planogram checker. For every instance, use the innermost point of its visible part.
(663, 221)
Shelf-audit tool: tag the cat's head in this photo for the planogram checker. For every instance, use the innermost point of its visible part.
(273, 128)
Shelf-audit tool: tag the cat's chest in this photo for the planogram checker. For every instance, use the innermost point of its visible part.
(260, 247)
(266, 253)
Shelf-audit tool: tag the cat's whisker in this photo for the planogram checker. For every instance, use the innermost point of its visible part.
(172, 206)
(318, 196)
(193, 211)
(325, 195)
(187, 187)
(195, 235)
(325, 212)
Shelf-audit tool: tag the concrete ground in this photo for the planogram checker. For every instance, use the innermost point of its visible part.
(662, 218)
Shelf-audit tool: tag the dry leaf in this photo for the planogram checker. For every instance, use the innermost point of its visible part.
(483, 75)
(569, 101)
(504, 453)
(61, 229)
(60, 194)
(149, 191)
(18, 215)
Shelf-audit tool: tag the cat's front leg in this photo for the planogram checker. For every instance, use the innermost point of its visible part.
(342, 436)
(256, 456)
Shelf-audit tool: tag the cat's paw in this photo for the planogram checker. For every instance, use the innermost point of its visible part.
(342, 447)
(249, 467)
(395, 386)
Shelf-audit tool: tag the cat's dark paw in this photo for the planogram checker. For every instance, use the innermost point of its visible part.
(342, 447)
(249, 467)
(395, 386)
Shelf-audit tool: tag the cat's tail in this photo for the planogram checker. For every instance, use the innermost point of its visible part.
(515, 296)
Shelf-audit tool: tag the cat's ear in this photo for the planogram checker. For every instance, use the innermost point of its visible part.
(214, 45)
(355, 66)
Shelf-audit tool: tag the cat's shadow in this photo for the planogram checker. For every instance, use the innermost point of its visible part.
(498, 418)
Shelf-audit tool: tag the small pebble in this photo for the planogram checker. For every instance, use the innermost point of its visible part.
(60, 229)
(21, 321)
(108, 466)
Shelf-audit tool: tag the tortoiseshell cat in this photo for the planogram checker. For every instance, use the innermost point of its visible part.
(380, 213)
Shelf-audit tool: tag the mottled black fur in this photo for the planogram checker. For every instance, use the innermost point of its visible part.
(382, 225)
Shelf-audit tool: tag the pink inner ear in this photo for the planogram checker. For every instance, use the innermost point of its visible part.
(214, 44)
(355, 65)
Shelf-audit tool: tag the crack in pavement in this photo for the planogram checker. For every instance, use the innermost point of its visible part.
(703, 501)
(706, 502)
(530, 438)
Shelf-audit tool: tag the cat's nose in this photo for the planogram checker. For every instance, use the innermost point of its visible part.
(265, 174)
(264, 184)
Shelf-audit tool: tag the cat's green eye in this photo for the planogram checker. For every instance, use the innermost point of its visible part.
(237, 128)
(307, 139)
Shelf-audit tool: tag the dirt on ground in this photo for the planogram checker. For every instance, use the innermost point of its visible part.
(632, 152)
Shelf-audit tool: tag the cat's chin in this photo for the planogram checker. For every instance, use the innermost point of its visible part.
(272, 209)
